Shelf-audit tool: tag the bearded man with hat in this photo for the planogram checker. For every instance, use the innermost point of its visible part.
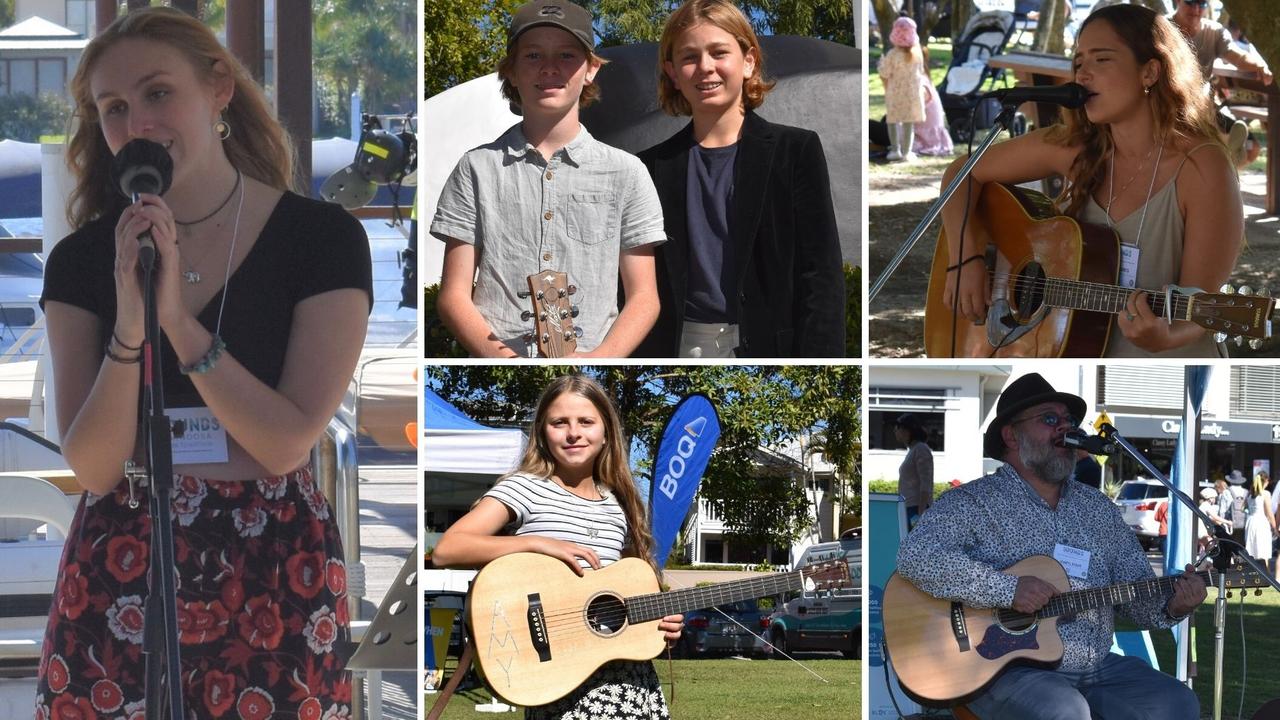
(1031, 506)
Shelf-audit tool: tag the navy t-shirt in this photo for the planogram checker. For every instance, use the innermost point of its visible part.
(709, 194)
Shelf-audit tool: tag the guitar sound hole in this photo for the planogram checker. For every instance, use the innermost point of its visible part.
(1016, 622)
(1028, 290)
(606, 614)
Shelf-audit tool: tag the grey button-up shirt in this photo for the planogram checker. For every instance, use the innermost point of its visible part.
(575, 213)
(975, 531)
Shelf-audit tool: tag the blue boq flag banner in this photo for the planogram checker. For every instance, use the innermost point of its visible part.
(682, 456)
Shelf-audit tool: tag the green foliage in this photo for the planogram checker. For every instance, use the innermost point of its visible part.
(465, 39)
(462, 40)
(759, 407)
(852, 311)
(25, 117)
(364, 46)
(890, 487)
(439, 342)
(6, 13)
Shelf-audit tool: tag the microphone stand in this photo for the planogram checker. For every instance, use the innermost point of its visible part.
(1222, 549)
(160, 634)
(1002, 122)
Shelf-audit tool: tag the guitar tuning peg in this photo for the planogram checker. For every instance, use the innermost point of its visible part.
(561, 292)
(1226, 289)
(564, 314)
(540, 296)
(1245, 290)
(1264, 292)
(573, 289)
(1229, 594)
(1255, 344)
(574, 311)
(568, 336)
(577, 332)
(1257, 592)
(1219, 337)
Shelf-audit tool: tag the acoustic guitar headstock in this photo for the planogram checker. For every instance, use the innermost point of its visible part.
(828, 575)
(1230, 313)
(553, 313)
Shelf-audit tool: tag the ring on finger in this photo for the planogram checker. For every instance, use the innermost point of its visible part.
(1130, 316)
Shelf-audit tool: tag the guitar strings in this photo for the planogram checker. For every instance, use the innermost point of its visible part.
(1181, 303)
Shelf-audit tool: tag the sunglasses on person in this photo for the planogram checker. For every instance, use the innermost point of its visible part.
(1051, 419)
(1197, 3)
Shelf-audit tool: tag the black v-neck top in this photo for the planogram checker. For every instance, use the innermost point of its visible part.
(307, 247)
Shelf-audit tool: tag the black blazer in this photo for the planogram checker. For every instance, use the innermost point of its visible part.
(788, 280)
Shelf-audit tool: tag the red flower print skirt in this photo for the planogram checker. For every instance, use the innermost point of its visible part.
(262, 605)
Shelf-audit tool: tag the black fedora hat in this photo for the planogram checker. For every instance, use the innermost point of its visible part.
(1028, 390)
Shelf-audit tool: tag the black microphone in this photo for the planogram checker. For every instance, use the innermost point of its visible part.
(1092, 444)
(1071, 95)
(142, 166)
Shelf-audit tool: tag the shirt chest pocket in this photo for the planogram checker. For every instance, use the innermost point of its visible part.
(590, 217)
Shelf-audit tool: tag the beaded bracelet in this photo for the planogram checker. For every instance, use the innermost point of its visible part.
(964, 262)
(120, 342)
(106, 348)
(206, 363)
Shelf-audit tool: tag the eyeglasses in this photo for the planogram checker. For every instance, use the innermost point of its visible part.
(1051, 419)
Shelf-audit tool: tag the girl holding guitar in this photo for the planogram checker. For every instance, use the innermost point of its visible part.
(571, 498)
(1143, 157)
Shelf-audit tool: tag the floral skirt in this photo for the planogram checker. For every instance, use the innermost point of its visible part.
(262, 604)
(619, 690)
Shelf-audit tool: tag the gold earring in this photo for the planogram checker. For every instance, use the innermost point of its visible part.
(222, 128)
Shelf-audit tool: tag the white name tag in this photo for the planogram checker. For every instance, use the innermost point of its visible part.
(198, 437)
(1129, 265)
(1074, 560)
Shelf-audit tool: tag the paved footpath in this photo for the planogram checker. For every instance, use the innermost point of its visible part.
(388, 532)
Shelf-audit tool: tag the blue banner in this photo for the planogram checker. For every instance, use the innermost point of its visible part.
(682, 457)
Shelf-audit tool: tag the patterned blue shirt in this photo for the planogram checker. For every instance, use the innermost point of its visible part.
(962, 544)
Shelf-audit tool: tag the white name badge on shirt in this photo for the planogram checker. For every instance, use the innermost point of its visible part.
(203, 439)
(1074, 560)
(1129, 265)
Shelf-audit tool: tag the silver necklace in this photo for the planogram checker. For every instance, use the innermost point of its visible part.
(226, 278)
(1111, 178)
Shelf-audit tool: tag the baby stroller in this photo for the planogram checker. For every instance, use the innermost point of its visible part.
(985, 34)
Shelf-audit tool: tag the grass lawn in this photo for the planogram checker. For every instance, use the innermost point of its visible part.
(729, 689)
(1261, 641)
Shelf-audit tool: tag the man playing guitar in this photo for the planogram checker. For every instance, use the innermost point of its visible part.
(1032, 506)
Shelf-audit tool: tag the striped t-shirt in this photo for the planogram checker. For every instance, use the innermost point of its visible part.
(544, 508)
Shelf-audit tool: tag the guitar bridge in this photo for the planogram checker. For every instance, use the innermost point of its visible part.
(958, 627)
(538, 628)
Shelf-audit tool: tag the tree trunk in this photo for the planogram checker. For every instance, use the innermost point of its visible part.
(886, 13)
(1052, 28)
(961, 11)
(1261, 25)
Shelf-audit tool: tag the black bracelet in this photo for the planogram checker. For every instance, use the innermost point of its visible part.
(120, 342)
(964, 262)
(122, 360)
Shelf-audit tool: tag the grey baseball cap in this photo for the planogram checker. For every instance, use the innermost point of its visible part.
(565, 15)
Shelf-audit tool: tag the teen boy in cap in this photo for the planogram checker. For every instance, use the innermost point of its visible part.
(1031, 506)
(547, 196)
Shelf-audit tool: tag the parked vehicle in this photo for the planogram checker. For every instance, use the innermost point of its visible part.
(732, 629)
(1138, 499)
(827, 619)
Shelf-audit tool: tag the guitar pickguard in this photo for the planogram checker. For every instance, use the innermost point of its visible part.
(998, 642)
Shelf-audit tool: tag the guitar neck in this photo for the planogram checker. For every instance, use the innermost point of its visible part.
(1078, 600)
(654, 606)
(1078, 295)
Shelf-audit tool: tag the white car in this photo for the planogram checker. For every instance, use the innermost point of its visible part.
(1138, 499)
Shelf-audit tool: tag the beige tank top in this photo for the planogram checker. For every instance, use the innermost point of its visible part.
(1159, 261)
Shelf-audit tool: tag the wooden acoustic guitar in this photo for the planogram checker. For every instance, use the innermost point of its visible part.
(946, 651)
(539, 630)
(552, 314)
(1055, 291)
